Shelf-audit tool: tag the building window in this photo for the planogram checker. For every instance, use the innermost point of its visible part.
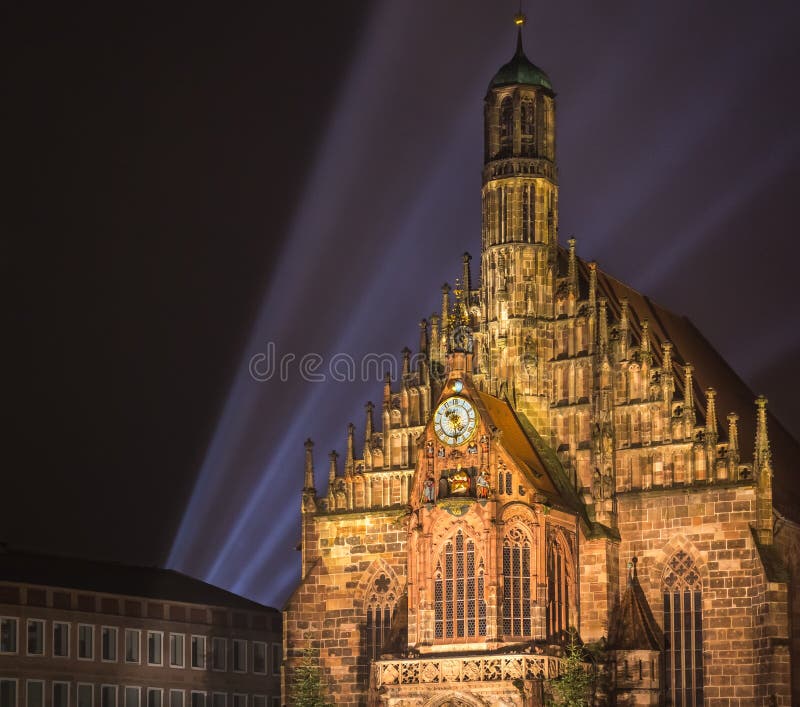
(176, 698)
(239, 700)
(133, 639)
(177, 651)
(527, 126)
(8, 636)
(219, 699)
(8, 692)
(239, 655)
(60, 639)
(276, 702)
(218, 649)
(85, 695)
(683, 631)
(153, 697)
(198, 699)
(559, 587)
(132, 697)
(34, 693)
(155, 641)
(459, 605)
(60, 694)
(199, 652)
(381, 604)
(259, 701)
(108, 696)
(259, 658)
(35, 637)
(109, 644)
(85, 642)
(277, 658)
(519, 581)
(506, 126)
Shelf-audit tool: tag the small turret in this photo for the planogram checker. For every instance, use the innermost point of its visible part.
(308, 486)
(368, 424)
(406, 353)
(688, 400)
(445, 316)
(603, 324)
(645, 345)
(332, 470)
(762, 468)
(466, 279)
(711, 418)
(349, 460)
(623, 330)
(733, 444)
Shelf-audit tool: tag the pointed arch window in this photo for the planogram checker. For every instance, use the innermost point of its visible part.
(683, 631)
(458, 595)
(519, 581)
(527, 126)
(381, 607)
(559, 587)
(506, 126)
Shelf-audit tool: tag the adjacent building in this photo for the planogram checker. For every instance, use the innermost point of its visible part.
(78, 633)
(562, 457)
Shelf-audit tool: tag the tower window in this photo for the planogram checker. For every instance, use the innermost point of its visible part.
(519, 582)
(527, 126)
(381, 609)
(683, 631)
(459, 605)
(506, 126)
(559, 585)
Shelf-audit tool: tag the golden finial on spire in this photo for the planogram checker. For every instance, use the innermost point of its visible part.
(519, 19)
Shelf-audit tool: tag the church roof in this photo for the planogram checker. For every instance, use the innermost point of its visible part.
(710, 371)
(520, 70)
(633, 626)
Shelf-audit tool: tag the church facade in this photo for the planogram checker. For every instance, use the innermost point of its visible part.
(563, 460)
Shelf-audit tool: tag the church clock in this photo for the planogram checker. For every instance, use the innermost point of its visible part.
(455, 420)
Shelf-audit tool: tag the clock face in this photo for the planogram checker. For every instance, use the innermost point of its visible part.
(455, 420)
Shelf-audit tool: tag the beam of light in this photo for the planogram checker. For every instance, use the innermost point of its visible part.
(750, 182)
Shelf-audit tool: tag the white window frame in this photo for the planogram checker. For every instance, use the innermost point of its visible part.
(183, 697)
(115, 688)
(16, 688)
(198, 692)
(16, 621)
(78, 687)
(214, 641)
(234, 643)
(160, 635)
(125, 694)
(239, 696)
(138, 633)
(28, 623)
(204, 656)
(53, 692)
(28, 684)
(215, 695)
(68, 626)
(115, 631)
(266, 657)
(152, 691)
(91, 633)
(183, 652)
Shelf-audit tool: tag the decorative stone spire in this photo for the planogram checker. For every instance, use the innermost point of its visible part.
(666, 364)
(466, 279)
(308, 486)
(435, 340)
(711, 417)
(387, 388)
(423, 337)
(572, 268)
(645, 345)
(688, 399)
(349, 460)
(445, 312)
(593, 284)
(368, 425)
(623, 329)
(733, 438)
(603, 325)
(332, 470)
(762, 467)
(406, 353)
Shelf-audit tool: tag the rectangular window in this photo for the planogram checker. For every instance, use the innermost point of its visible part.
(259, 658)
(109, 640)
(259, 701)
(108, 696)
(60, 694)
(198, 699)
(133, 639)
(60, 639)
(34, 693)
(276, 702)
(132, 697)
(177, 658)
(8, 637)
(85, 695)
(153, 697)
(277, 658)
(85, 642)
(35, 637)
(239, 655)
(219, 699)
(239, 700)
(218, 648)
(199, 652)
(8, 691)
(176, 698)
(155, 639)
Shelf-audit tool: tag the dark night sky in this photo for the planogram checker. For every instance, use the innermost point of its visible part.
(184, 186)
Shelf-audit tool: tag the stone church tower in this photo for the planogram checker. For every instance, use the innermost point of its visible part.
(551, 467)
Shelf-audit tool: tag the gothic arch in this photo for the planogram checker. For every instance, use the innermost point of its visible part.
(368, 577)
(446, 528)
(518, 510)
(677, 543)
(456, 699)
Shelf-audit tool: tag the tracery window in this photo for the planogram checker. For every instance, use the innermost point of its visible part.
(459, 604)
(683, 631)
(506, 126)
(381, 607)
(527, 126)
(519, 582)
(559, 585)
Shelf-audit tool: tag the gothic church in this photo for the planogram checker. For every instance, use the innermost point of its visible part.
(563, 460)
